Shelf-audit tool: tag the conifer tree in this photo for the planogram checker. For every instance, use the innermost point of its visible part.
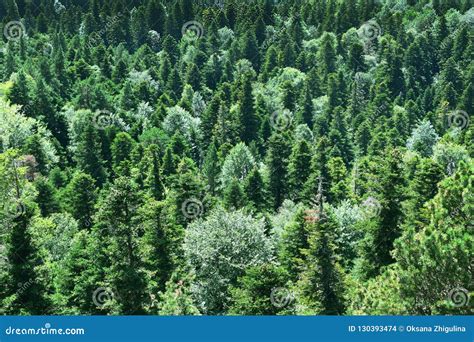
(299, 168)
(277, 160)
(153, 173)
(88, 154)
(248, 118)
(118, 214)
(321, 281)
(80, 198)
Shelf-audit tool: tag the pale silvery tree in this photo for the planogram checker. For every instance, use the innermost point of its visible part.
(237, 165)
(16, 128)
(422, 139)
(180, 120)
(219, 250)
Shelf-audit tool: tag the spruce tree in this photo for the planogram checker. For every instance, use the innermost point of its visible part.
(299, 168)
(79, 199)
(277, 160)
(321, 282)
(248, 120)
(88, 154)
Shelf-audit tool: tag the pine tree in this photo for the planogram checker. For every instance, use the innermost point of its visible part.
(211, 167)
(169, 163)
(193, 76)
(46, 197)
(177, 300)
(444, 241)
(79, 199)
(117, 214)
(88, 154)
(277, 161)
(153, 173)
(253, 293)
(327, 56)
(45, 106)
(299, 168)
(321, 283)
(121, 149)
(256, 190)
(293, 241)
(304, 114)
(249, 47)
(20, 94)
(23, 293)
(319, 169)
(421, 188)
(289, 95)
(156, 245)
(248, 120)
(234, 197)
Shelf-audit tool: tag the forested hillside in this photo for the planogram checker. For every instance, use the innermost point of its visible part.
(223, 157)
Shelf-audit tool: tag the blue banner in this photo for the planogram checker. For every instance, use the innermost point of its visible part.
(237, 329)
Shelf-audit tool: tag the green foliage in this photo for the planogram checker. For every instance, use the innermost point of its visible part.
(237, 165)
(80, 197)
(292, 146)
(423, 139)
(220, 249)
(321, 282)
(253, 293)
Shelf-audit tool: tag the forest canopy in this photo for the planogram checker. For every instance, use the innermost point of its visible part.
(230, 157)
